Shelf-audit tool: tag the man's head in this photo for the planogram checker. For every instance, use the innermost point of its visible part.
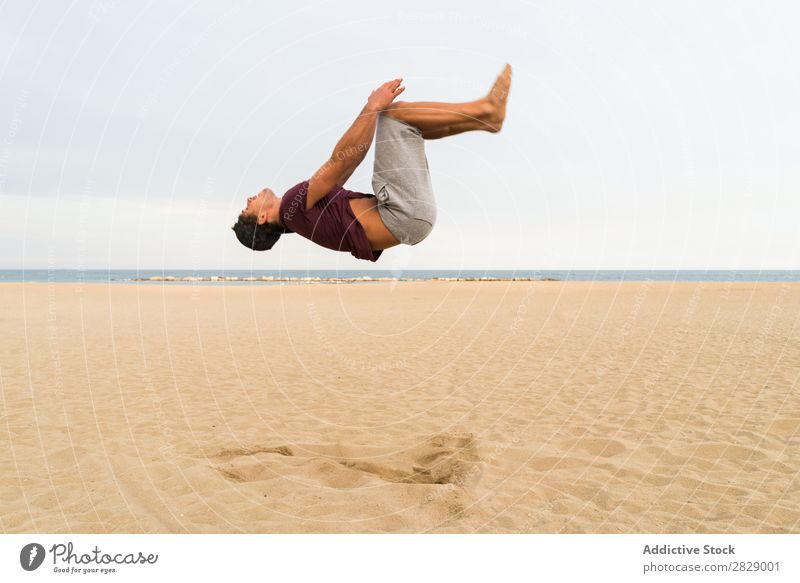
(258, 226)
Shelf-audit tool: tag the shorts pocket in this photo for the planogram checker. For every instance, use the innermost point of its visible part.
(381, 193)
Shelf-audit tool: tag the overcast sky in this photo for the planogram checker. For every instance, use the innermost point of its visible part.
(639, 135)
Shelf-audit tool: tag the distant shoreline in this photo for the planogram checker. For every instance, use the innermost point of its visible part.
(360, 279)
(347, 276)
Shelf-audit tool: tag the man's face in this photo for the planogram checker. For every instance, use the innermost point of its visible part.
(263, 205)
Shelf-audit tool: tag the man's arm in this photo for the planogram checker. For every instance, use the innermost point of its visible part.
(352, 148)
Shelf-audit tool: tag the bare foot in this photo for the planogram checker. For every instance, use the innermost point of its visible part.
(498, 96)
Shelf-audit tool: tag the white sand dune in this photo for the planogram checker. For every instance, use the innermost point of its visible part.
(400, 407)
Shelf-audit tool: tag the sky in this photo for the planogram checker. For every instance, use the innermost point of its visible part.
(639, 135)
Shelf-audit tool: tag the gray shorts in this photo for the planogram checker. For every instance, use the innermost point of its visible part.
(401, 181)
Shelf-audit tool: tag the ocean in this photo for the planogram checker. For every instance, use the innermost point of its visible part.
(273, 277)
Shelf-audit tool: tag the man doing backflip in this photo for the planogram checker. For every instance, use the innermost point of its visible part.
(402, 208)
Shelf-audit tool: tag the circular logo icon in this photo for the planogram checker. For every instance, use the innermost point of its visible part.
(31, 556)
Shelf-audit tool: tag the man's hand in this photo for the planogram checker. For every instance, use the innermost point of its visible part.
(352, 147)
(383, 96)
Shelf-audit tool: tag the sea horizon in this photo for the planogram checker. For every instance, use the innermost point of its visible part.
(276, 276)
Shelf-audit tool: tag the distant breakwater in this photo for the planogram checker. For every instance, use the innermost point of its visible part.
(360, 279)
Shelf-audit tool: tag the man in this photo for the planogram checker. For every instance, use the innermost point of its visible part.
(402, 208)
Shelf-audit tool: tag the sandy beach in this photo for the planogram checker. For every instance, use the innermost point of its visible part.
(544, 407)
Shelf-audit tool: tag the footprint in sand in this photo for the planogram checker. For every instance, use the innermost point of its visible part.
(244, 464)
(424, 487)
(600, 447)
(442, 459)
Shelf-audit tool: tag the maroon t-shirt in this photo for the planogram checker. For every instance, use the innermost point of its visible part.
(330, 223)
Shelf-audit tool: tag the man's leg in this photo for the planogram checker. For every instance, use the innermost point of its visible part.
(439, 120)
(431, 116)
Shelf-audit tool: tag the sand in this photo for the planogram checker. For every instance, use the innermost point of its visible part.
(543, 407)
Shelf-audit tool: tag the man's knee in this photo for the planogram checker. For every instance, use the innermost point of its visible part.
(391, 111)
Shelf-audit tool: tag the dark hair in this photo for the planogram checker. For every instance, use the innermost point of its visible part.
(254, 236)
